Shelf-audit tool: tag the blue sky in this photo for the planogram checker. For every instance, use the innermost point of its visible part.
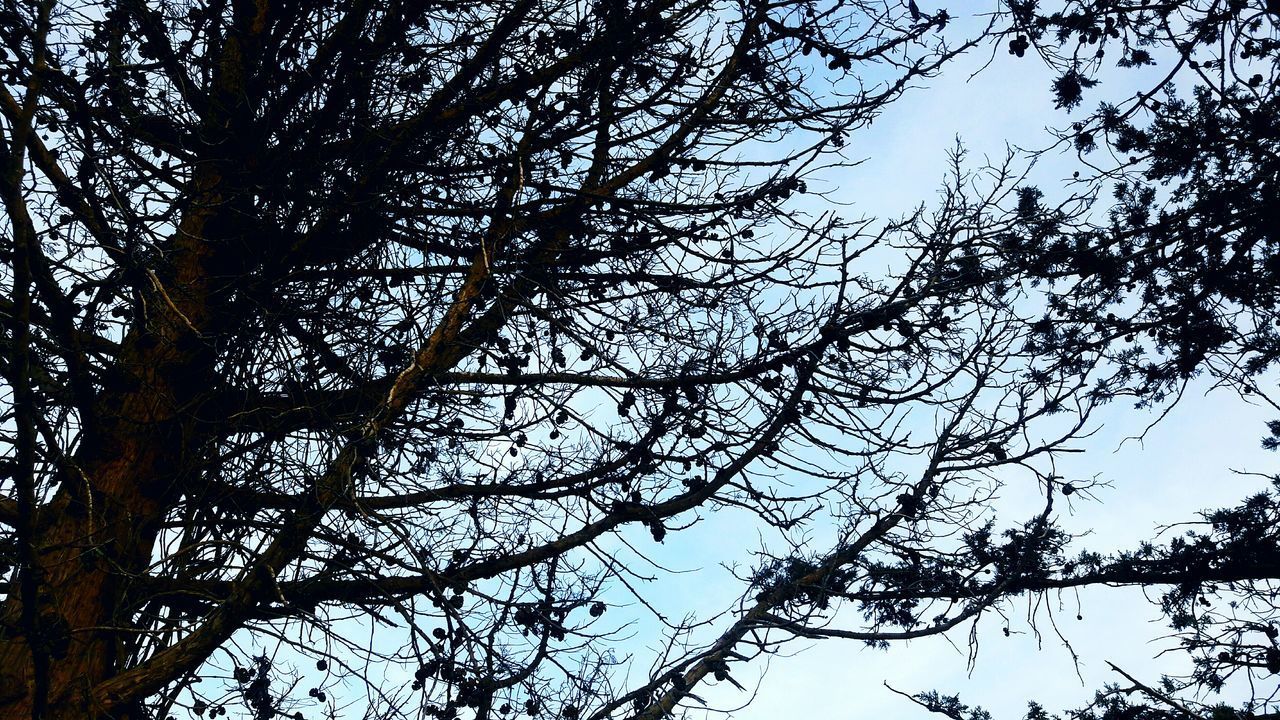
(1183, 465)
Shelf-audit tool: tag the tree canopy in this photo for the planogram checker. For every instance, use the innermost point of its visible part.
(387, 339)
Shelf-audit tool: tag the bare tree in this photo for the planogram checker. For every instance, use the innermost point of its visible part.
(330, 316)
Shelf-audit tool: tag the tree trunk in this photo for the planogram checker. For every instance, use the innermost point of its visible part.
(132, 466)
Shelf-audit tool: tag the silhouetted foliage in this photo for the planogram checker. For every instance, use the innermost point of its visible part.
(364, 337)
(1179, 282)
(1186, 269)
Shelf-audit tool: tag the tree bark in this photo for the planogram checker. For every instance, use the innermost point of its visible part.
(100, 528)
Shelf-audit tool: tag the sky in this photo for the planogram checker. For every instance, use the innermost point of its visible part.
(1183, 465)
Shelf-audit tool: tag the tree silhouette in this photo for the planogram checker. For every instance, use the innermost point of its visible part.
(324, 317)
(1188, 258)
(1178, 282)
(1219, 597)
